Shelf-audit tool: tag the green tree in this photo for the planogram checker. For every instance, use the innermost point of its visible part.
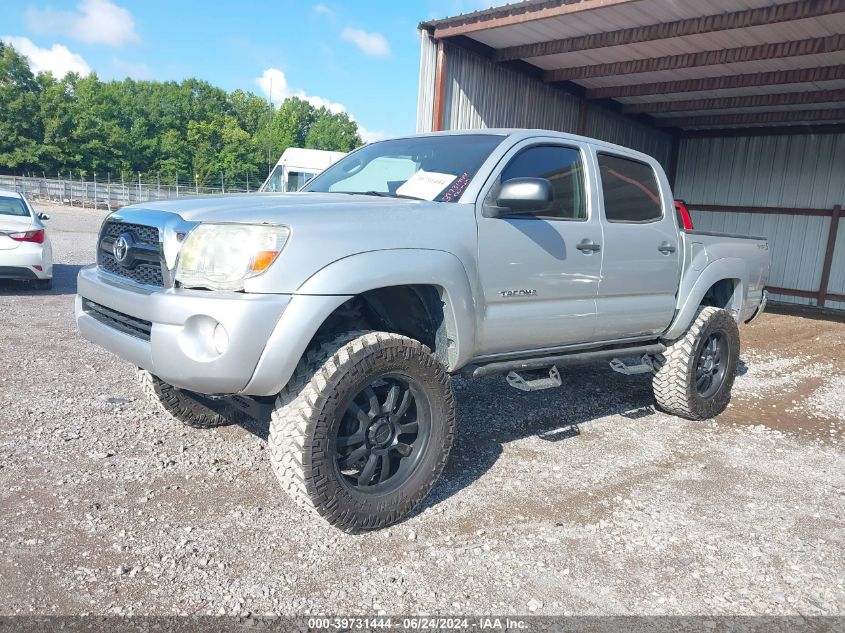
(172, 129)
(330, 131)
(20, 124)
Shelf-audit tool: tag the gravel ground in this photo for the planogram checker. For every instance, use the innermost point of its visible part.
(581, 500)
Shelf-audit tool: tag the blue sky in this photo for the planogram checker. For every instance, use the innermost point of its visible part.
(358, 56)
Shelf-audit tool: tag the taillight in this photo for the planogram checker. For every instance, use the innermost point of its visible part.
(37, 237)
(684, 218)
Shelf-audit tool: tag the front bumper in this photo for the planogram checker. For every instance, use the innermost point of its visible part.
(180, 349)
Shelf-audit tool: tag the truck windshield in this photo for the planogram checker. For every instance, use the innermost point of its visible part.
(426, 168)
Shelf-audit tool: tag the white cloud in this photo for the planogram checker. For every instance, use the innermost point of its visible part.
(93, 22)
(56, 59)
(369, 136)
(323, 10)
(372, 44)
(274, 84)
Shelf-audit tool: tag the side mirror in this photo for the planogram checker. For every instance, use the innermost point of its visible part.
(43, 216)
(524, 196)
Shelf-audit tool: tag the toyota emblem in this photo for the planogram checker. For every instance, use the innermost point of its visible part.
(120, 249)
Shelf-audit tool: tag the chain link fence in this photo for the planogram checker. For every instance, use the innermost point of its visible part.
(109, 195)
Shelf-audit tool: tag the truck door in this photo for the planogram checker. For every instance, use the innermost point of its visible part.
(641, 268)
(540, 274)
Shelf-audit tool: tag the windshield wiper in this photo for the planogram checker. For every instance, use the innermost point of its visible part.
(380, 194)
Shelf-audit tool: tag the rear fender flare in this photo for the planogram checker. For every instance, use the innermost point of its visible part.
(728, 268)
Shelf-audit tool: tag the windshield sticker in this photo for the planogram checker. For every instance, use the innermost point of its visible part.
(457, 188)
(425, 184)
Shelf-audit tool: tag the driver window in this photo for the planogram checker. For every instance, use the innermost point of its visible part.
(563, 168)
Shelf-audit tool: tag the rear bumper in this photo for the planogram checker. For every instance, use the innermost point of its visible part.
(21, 262)
(180, 347)
(13, 272)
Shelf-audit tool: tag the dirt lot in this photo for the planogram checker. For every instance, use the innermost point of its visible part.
(581, 500)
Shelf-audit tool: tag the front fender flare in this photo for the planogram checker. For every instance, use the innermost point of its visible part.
(331, 286)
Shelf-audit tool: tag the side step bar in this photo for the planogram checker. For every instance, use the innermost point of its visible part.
(561, 360)
(523, 383)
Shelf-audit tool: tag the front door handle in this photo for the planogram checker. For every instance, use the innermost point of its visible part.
(666, 248)
(588, 246)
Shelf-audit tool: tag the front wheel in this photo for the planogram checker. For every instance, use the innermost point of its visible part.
(363, 430)
(695, 374)
(191, 409)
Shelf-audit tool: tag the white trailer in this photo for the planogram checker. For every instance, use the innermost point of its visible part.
(297, 166)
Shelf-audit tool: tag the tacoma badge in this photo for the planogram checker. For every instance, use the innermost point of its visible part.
(517, 293)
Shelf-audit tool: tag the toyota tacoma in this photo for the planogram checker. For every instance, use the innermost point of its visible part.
(349, 304)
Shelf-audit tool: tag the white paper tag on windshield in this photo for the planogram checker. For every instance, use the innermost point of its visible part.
(425, 184)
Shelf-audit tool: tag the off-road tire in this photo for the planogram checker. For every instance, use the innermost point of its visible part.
(674, 378)
(310, 407)
(180, 405)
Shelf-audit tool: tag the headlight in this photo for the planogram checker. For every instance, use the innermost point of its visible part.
(222, 256)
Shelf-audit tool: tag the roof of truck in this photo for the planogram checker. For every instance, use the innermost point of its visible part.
(517, 133)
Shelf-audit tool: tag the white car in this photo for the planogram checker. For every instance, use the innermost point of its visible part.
(25, 250)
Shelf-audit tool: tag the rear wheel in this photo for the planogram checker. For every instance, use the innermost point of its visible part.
(695, 374)
(192, 409)
(363, 430)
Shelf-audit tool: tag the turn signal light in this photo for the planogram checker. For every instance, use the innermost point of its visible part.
(36, 237)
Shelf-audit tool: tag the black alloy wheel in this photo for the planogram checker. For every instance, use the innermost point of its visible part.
(382, 434)
(712, 363)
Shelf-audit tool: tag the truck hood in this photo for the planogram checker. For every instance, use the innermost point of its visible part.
(327, 227)
(285, 208)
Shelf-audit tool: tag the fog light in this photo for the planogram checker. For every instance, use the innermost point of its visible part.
(221, 339)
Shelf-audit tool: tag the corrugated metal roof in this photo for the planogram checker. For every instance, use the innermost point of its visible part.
(532, 22)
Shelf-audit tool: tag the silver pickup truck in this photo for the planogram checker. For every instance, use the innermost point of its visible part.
(348, 304)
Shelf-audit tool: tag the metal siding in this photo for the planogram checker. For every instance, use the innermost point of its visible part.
(482, 94)
(610, 126)
(776, 171)
(428, 70)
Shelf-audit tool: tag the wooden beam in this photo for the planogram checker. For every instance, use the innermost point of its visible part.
(692, 26)
(750, 101)
(828, 254)
(439, 88)
(782, 130)
(759, 52)
(582, 118)
(753, 118)
(791, 292)
(724, 82)
(517, 13)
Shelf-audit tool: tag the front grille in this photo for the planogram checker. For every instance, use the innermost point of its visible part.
(119, 321)
(142, 234)
(148, 273)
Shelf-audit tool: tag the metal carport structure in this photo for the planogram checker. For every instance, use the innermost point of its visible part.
(742, 101)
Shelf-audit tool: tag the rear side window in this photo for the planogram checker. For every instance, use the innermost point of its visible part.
(631, 193)
(563, 168)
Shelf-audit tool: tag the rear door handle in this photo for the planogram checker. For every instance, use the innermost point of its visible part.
(588, 246)
(666, 248)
